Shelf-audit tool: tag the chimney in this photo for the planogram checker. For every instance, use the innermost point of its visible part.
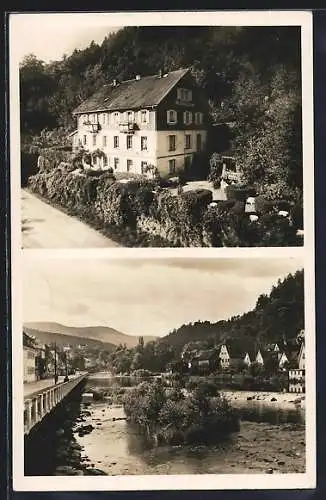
(114, 83)
(160, 73)
(137, 77)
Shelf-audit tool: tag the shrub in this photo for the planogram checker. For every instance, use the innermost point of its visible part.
(238, 192)
(263, 206)
(297, 216)
(215, 170)
(238, 207)
(94, 173)
(201, 417)
(113, 205)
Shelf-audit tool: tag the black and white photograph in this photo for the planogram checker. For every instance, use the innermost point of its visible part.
(162, 251)
(159, 136)
(125, 374)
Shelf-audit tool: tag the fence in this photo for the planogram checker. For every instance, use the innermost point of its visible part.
(38, 405)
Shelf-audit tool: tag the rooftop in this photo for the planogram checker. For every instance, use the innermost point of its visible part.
(144, 92)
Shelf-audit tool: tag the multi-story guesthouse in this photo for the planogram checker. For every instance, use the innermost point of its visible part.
(150, 123)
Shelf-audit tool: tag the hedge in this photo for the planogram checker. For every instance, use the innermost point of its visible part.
(238, 192)
(140, 206)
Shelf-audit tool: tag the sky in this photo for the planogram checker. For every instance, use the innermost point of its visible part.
(50, 36)
(145, 296)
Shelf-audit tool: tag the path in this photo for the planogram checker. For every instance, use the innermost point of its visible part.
(44, 226)
(40, 385)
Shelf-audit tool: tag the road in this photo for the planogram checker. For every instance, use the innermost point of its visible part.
(46, 227)
(39, 385)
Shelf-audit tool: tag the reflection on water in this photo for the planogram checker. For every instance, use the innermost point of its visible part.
(261, 413)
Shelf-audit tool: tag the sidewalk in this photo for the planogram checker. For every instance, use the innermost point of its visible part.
(39, 385)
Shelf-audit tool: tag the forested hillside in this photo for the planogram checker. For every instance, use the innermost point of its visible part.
(276, 317)
(251, 76)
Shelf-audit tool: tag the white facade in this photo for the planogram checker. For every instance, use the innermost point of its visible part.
(29, 355)
(246, 359)
(282, 360)
(297, 380)
(224, 357)
(259, 358)
(131, 142)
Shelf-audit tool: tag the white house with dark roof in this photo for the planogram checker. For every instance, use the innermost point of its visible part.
(152, 122)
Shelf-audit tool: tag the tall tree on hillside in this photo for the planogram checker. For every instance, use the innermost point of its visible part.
(36, 85)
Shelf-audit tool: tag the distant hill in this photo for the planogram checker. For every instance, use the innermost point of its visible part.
(277, 317)
(94, 335)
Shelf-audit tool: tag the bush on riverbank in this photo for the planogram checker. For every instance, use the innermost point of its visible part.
(169, 417)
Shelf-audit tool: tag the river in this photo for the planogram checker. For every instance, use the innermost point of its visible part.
(271, 440)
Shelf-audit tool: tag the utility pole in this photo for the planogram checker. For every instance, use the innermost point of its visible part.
(66, 359)
(55, 363)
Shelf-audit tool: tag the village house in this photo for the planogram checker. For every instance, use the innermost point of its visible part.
(29, 356)
(297, 371)
(148, 123)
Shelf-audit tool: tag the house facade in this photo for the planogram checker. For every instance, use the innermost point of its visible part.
(224, 357)
(297, 373)
(153, 122)
(29, 360)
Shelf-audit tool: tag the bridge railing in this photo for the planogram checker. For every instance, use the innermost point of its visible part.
(38, 405)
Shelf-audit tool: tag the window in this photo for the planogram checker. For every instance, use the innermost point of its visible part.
(94, 140)
(129, 141)
(129, 165)
(143, 116)
(171, 139)
(198, 118)
(104, 141)
(184, 95)
(187, 141)
(116, 117)
(143, 167)
(143, 143)
(171, 116)
(130, 116)
(172, 166)
(198, 142)
(105, 161)
(85, 140)
(187, 117)
(116, 163)
(115, 141)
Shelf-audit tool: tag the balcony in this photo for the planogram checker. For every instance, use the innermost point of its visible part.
(92, 127)
(127, 127)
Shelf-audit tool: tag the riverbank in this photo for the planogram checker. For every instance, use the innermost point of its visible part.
(116, 448)
(283, 400)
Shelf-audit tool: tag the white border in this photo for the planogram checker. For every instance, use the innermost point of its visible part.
(168, 482)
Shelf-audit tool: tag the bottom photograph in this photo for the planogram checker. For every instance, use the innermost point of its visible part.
(163, 366)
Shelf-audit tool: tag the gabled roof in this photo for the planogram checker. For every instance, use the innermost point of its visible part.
(132, 94)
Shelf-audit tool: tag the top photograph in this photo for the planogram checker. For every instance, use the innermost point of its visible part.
(159, 136)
